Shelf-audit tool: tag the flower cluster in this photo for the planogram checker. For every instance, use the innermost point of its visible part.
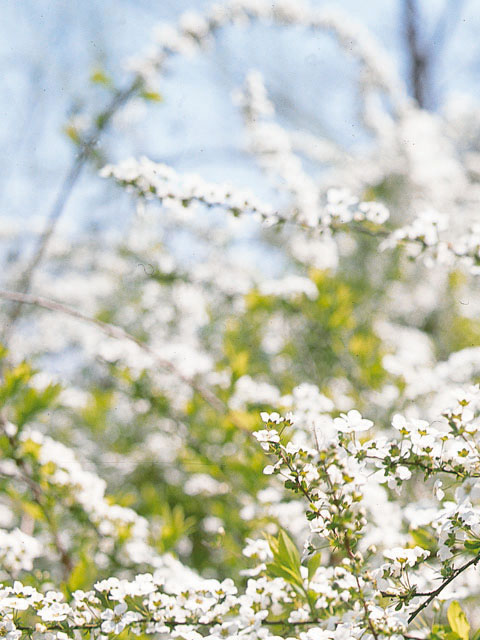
(18, 551)
(152, 180)
(429, 237)
(337, 479)
(272, 448)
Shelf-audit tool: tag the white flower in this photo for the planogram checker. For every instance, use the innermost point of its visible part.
(401, 558)
(437, 489)
(258, 549)
(317, 634)
(114, 620)
(352, 422)
(374, 211)
(444, 553)
(8, 630)
(399, 423)
(264, 436)
(56, 611)
(403, 473)
(107, 585)
(274, 417)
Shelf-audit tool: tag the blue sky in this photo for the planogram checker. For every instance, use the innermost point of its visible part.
(49, 47)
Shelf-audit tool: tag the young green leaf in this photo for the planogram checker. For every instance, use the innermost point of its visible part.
(458, 620)
(313, 564)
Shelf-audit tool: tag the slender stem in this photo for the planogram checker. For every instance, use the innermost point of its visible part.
(426, 468)
(91, 626)
(64, 193)
(419, 57)
(120, 334)
(436, 592)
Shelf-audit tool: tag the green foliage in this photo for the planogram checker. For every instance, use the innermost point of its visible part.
(424, 538)
(151, 96)
(458, 620)
(99, 76)
(331, 339)
(83, 573)
(286, 560)
(21, 401)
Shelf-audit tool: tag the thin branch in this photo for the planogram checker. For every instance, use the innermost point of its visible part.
(58, 207)
(419, 58)
(436, 592)
(426, 468)
(172, 624)
(120, 334)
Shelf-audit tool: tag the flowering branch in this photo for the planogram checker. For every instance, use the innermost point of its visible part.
(120, 334)
(433, 594)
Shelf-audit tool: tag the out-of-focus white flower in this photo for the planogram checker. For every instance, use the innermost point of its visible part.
(352, 422)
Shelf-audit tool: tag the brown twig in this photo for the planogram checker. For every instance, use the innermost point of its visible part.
(420, 58)
(120, 334)
(436, 592)
(64, 193)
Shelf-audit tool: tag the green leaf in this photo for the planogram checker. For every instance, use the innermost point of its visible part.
(273, 543)
(313, 564)
(152, 96)
(83, 573)
(98, 76)
(286, 559)
(281, 571)
(175, 526)
(423, 538)
(33, 510)
(288, 552)
(458, 620)
(472, 545)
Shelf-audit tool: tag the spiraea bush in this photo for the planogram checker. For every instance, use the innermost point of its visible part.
(231, 451)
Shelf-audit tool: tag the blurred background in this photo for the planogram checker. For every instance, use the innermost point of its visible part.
(51, 50)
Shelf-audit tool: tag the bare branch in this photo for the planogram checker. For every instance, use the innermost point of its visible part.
(120, 334)
(419, 57)
(68, 184)
(435, 593)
